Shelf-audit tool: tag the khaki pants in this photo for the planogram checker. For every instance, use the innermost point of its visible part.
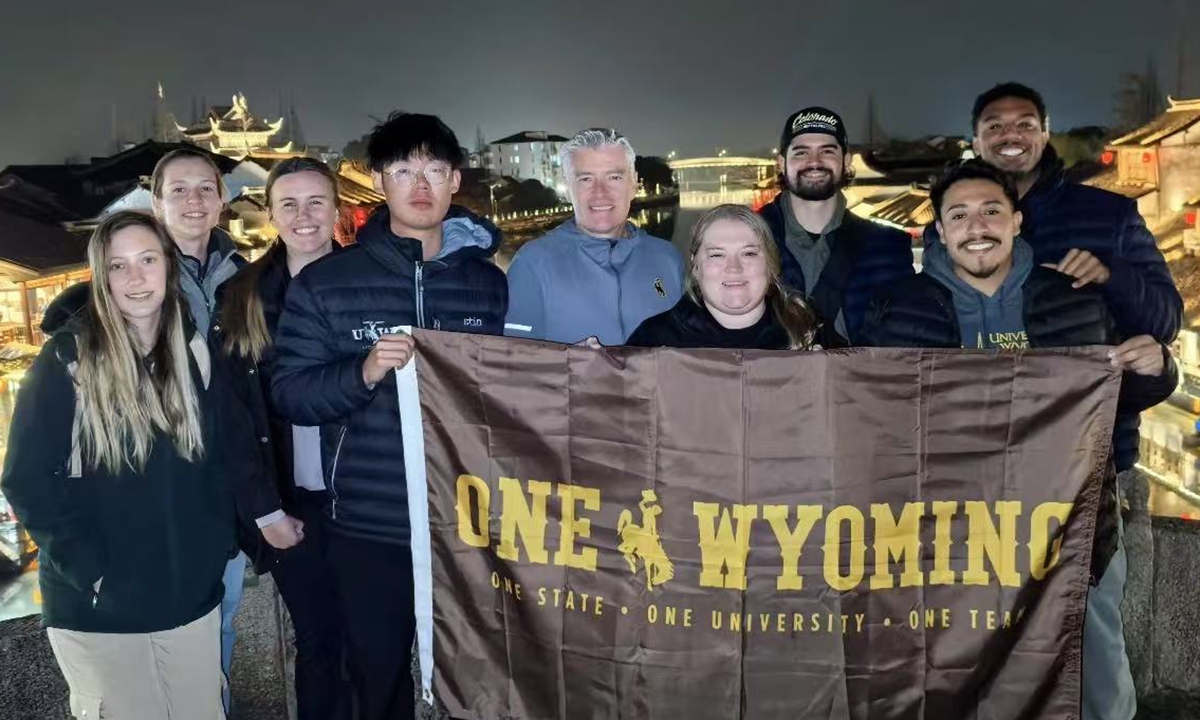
(169, 675)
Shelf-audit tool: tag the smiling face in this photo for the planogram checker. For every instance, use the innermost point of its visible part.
(602, 187)
(137, 275)
(190, 204)
(304, 211)
(730, 268)
(813, 167)
(977, 226)
(1011, 135)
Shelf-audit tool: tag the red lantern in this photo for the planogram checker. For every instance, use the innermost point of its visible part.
(1147, 158)
(360, 216)
(1190, 217)
(1106, 157)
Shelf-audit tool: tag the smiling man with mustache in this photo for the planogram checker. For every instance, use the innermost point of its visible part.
(981, 288)
(834, 258)
(1095, 236)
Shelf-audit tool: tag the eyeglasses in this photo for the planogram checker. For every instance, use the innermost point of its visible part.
(434, 175)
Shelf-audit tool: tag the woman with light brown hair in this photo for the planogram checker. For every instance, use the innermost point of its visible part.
(733, 296)
(118, 465)
(286, 501)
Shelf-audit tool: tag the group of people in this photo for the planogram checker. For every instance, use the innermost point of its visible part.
(191, 411)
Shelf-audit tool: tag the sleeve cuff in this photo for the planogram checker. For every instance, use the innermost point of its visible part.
(266, 520)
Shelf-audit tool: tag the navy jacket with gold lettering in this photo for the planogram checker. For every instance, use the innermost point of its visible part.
(335, 311)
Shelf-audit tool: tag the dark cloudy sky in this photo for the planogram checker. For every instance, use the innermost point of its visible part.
(688, 75)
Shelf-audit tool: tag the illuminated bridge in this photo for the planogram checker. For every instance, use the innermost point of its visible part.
(714, 174)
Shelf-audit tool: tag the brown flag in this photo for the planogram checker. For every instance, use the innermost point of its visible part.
(662, 534)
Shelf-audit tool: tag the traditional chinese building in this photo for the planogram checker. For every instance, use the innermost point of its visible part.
(232, 130)
(1157, 164)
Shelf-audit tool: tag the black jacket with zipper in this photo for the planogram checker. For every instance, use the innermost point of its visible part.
(688, 325)
(335, 311)
(157, 540)
(273, 489)
(919, 312)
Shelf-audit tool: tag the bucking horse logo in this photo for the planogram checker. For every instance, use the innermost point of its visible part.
(642, 541)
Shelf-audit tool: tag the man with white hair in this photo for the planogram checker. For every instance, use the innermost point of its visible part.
(597, 274)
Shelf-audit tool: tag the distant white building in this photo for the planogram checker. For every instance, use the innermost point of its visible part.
(529, 155)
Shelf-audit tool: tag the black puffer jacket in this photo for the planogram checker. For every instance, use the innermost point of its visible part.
(919, 312)
(1058, 216)
(335, 311)
(688, 325)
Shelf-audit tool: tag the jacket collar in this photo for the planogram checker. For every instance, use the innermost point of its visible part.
(1052, 175)
(604, 251)
(469, 235)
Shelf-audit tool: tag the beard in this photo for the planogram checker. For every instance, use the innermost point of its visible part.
(972, 268)
(815, 189)
(983, 273)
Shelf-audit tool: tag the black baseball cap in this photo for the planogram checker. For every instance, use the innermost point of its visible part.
(813, 120)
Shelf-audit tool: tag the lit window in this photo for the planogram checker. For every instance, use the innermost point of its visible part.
(516, 160)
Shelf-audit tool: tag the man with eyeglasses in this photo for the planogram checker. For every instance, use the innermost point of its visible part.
(597, 274)
(1099, 239)
(418, 261)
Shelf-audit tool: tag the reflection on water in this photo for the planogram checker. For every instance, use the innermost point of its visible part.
(692, 205)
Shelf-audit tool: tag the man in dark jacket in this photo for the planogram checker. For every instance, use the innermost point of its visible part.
(420, 262)
(836, 259)
(981, 288)
(1093, 235)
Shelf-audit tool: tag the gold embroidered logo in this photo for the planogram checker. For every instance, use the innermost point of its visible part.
(642, 541)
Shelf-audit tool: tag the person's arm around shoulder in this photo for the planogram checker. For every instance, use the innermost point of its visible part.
(311, 382)
(58, 511)
(1139, 289)
(526, 315)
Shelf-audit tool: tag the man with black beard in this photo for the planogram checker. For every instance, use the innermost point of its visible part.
(836, 259)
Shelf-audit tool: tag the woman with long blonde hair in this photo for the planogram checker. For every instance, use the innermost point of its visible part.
(116, 469)
(733, 294)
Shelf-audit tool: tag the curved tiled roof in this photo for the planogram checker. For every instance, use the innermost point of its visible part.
(1181, 115)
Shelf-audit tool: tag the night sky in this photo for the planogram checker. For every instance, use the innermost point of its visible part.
(681, 75)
